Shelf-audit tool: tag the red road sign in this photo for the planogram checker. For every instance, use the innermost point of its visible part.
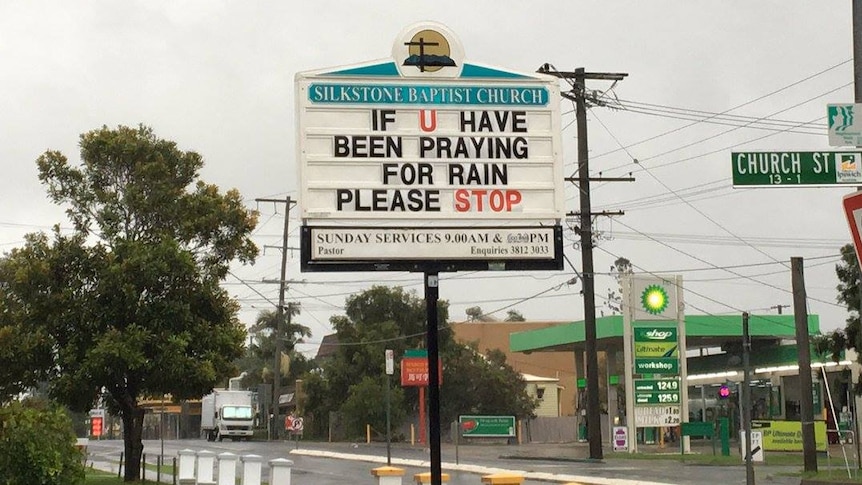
(294, 424)
(414, 371)
(853, 211)
(96, 426)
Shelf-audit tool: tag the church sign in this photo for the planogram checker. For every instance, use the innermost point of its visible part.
(423, 157)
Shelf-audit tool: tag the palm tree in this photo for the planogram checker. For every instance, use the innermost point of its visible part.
(260, 352)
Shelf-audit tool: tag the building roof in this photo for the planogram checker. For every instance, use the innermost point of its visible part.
(701, 331)
(328, 346)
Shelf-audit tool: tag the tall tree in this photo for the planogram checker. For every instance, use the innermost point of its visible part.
(382, 318)
(130, 303)
(475, 314)
(259, 357)
(514, 316)
(848, 288)
(620, 269)
(482, 383)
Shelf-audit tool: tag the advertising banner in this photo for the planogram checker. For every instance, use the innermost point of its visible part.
(487, 426)
(787, 435)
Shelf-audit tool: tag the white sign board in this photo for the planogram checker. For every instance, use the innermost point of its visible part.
(445, 243)
(756, 445)
(620, 438)
(425, 140)
(844, 122)
(390, 362)
(656, 416)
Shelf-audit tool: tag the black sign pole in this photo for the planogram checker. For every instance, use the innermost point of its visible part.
(431, 295)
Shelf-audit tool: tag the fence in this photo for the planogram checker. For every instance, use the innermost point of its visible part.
(561, 429)
(206, 468)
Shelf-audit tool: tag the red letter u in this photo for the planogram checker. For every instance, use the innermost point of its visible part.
(432, 125)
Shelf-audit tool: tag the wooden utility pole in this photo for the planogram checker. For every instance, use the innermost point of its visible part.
(279, 324)
(578, 94)
(806, 400)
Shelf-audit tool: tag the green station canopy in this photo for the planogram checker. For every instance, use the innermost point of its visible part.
(701, 331)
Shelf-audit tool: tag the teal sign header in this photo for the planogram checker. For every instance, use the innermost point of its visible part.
(428, 95)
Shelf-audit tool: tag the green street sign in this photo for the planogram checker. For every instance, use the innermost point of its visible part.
(487, 426)
(773, 169)
(658, 365)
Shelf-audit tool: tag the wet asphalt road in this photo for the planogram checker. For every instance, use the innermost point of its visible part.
(559, 461)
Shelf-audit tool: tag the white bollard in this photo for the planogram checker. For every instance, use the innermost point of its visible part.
(388, 475)
(251, 469)
(226, 469)
(279, 471)
(206, 461)
(186, 472)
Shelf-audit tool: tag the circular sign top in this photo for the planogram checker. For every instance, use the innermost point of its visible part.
(428, 49)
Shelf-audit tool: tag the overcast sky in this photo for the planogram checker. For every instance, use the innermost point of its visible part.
(217, 77)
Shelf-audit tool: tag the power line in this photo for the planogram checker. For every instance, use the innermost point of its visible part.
(729, 109)
(724, 269)
(722, 133)
(709, 115)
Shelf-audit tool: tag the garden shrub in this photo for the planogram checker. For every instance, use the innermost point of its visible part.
(37, 446)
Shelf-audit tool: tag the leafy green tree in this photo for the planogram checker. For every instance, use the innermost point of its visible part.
(848, 288)
(377, 319)
(37, 446)
(130, 304)
(23, 356)
(390, 318)
(477, 383)
(364, 405)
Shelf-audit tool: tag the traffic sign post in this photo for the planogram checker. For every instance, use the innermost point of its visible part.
(853, 210)
(294, 425)
(389, 357)
(793, 169)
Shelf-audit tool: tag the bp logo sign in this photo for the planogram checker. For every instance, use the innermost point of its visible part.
(654, 299)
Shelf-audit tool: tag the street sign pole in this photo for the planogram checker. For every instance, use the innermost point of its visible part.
(390, 369)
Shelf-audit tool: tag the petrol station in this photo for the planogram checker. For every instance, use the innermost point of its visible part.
(693, 373)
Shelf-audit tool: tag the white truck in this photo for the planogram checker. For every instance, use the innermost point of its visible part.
(227, 414)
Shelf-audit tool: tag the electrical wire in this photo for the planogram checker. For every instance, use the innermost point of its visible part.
(697, 258)
(784, 88)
